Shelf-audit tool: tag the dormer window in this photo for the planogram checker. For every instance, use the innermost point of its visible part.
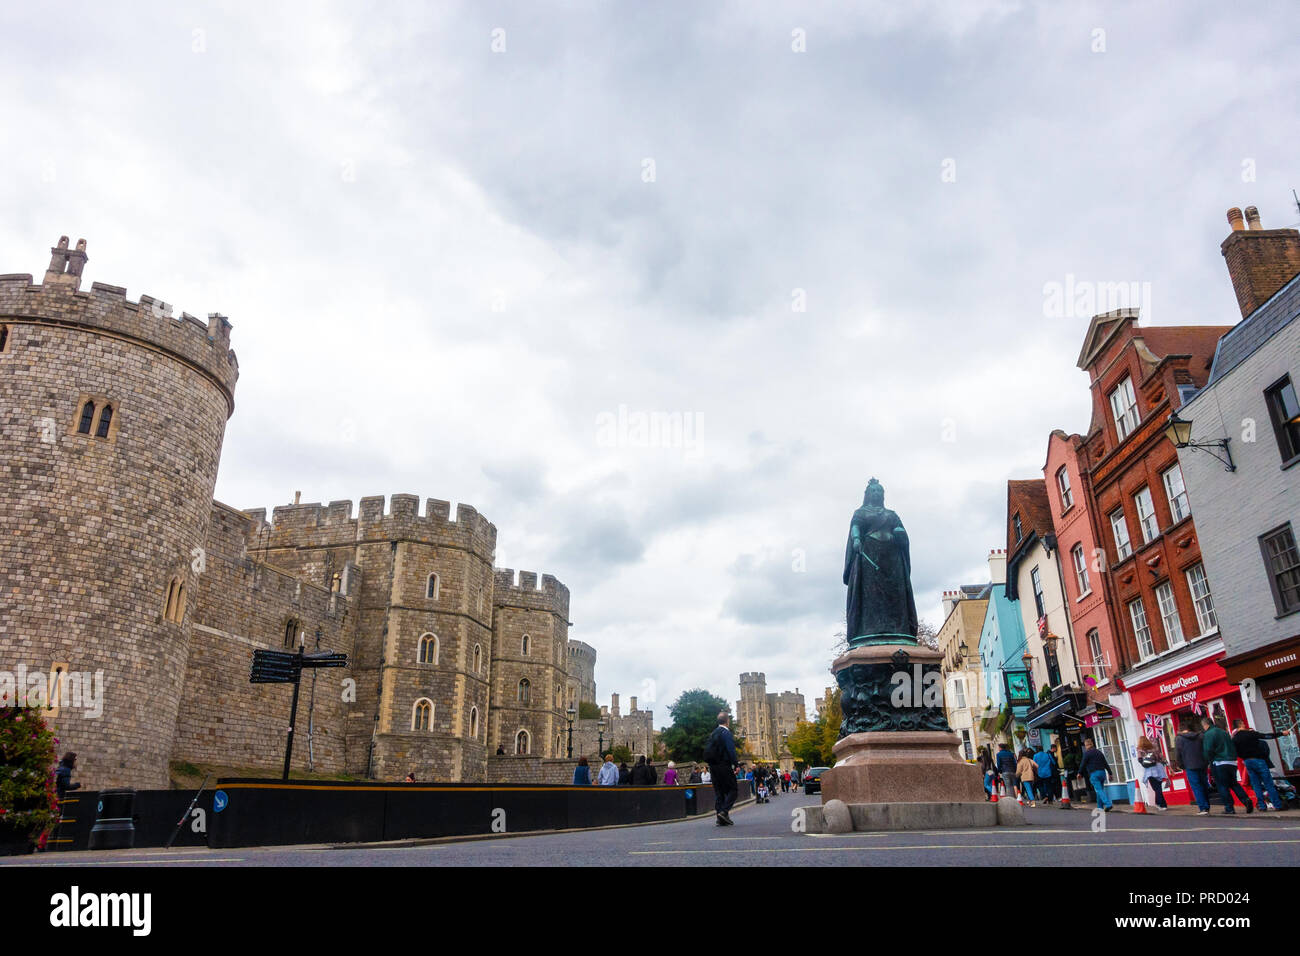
(1015, 521)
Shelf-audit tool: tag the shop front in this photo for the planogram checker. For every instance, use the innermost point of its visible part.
(1196, 684)
(1271, 678)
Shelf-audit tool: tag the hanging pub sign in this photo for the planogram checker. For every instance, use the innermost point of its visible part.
(1019, 693)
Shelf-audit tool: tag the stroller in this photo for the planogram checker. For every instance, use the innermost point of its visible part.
(762, 796)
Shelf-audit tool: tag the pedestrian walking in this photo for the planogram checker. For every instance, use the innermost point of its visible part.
(1095, 769)
(670, 775)
(1006, 764)
(1259, 765)
(1191, 759)
(1153, 770)
(582, 773)
(1221, 755)
(1027, 770)
(696, 776)
(608, 772)
(989, 768)
(1043, 779)
(720, 754)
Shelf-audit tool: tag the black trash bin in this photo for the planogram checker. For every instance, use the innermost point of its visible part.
(114, 828)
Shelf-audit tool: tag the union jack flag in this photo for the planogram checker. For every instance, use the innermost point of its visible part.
(1152, 724)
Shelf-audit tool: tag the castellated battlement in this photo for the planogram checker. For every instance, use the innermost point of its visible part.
(753, 677)
(550, 596)
(105, 310)
(579, 649)
(318, 525)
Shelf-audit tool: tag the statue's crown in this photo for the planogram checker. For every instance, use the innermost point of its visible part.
(875, 484)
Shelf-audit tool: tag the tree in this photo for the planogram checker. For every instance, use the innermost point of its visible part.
(695, 714)
(588, 711)
(622, 753)
(805, 744)
(28, 804)
(831, 718)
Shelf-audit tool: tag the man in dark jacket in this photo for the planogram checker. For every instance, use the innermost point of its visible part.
(1191, 759)
(1254, 754)
(641, 774)
(63, 775)
(720, 753)
(1221, 755)
(1095, 769)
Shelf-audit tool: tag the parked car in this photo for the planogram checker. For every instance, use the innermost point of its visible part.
(812, 779)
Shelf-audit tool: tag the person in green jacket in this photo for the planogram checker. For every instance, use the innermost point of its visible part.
(1221, 755)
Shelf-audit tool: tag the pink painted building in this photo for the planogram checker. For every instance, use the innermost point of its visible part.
(1083, 566)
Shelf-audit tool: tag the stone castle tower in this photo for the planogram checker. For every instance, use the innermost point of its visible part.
(115, 414)
(530, 658)
(582, 674)
(755, 721)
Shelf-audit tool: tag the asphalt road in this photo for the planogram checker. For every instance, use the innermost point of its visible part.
(763, 836)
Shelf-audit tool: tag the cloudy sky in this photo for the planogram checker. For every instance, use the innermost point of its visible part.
(466, 247)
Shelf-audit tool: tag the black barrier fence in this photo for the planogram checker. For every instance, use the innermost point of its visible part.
(272, 813)
(263, 812)
(154, 813)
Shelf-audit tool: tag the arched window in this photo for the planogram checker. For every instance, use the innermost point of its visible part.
(428, 649)
(4, 337)
(473, 722)
(174, 609)
(524, 688)
(524, 644)
(431, 587)
(105, 419)
(422, 714)
(87, 416)
(478, 659)
(521, 743)
(559, 746)
(291, 629)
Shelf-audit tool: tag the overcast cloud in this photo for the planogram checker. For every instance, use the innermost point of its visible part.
(445, 267)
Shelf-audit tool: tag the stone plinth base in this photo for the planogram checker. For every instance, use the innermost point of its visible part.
(911, 816)
(902, 766)
(898, 747)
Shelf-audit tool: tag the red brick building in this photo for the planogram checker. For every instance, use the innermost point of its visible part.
(1161, 602)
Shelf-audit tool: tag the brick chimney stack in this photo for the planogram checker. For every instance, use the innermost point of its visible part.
(1260, 261)
(613, 705)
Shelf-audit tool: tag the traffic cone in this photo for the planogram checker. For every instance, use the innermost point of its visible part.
(1138, 805)
(1020, 797)
(1065, 794)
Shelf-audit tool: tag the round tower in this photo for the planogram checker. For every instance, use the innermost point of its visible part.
(582, 672)
(108, 458)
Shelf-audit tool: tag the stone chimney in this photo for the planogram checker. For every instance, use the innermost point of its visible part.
(613, 705)
(1260, 261)
(950, 601)
(998, 565)
(632, 709)
(66, 264)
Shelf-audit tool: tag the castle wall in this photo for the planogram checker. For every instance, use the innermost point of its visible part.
(93, 530)
(397, 551)
(243, 605)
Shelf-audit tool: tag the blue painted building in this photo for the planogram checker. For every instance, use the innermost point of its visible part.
(1002, 645)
